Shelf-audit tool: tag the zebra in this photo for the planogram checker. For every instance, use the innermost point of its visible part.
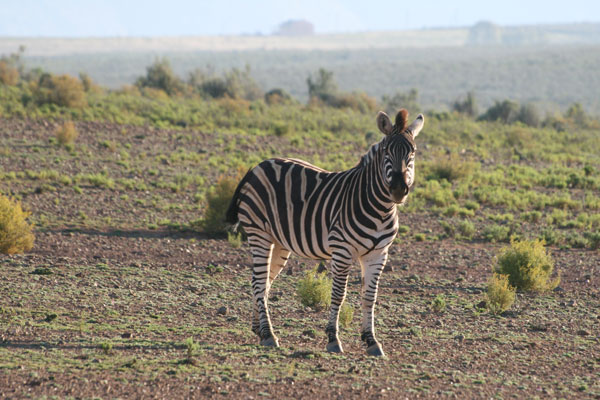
(288, 205)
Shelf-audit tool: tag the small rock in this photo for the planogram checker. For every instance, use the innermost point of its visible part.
(582, 332)
(460, 338)
(274, 298)
(309, 333)
(481, 304)
(388, 268)
(396, 291)
(127, 335)
(222, 310)
(538, 328)
(558, 289)
(404, 267)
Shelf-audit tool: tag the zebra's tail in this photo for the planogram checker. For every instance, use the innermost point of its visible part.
(231, 215)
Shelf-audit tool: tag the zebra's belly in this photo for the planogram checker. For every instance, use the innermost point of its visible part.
(303, 244)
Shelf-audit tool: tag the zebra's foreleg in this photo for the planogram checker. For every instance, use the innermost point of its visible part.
(340, 267)
(261, 248)
(371, 267)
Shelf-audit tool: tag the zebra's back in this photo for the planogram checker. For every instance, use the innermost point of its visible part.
(293, 201)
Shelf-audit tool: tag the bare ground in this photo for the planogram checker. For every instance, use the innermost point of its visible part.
(103, 307)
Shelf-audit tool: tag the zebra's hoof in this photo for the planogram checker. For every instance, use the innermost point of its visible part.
(375, 350)
(271, 341)
(335, 347)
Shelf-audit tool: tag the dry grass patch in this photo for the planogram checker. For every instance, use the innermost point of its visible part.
(15, 231)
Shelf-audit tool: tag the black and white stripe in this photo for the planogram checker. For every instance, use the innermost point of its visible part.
(288, 205)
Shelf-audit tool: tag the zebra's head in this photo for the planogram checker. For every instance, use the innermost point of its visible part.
(399, 149)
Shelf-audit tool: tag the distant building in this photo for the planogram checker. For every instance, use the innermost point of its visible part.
(484, 33)
(295, 28)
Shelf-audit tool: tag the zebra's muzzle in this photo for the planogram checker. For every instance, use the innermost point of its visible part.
(398, 187)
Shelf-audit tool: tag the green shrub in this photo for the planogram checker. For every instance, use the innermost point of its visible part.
(438, 304)
(577, 241)
(66, 133)
(106, 347)
(160, 76)
(346, 314)
(506, 111)
(218, 198)
(467, 106)
(15, 231)
(439, 194)
(550, 236)
(314, 289)
(527, 265)
(403, 229)
(420, 237)
(451, 168)
(496, 233)
(62, 90)
(472, 205)
(277, 96)
(593, 240)
(466, 229)
(9, 75)
(235, 240)
(500, 294)
(191, 347)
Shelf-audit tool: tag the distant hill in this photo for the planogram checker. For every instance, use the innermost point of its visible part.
(483, 33)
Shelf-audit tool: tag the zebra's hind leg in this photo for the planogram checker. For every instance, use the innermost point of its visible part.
(371, 268)
(340, 267)
(279, 258)
(261, 246)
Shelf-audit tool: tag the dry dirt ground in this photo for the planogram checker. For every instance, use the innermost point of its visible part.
(94, 311)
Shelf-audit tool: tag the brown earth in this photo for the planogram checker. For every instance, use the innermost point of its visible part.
(103, 307)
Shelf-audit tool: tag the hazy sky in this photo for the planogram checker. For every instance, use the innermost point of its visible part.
(189, 17)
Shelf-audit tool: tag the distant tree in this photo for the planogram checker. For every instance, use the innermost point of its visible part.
(11, 67)
(160, 76)
(506, 111)
(62, 90)
(358, 101)
(323, 86)
(295, 28)
(392, 104)
(467, 106)
(9, 75)
(277, 96)
(529, 115)
(577, 114)
(236, 84)
(240, 84)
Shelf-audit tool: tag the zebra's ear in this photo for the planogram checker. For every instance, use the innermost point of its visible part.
(383, 123)
(401, 120)
(416, 126)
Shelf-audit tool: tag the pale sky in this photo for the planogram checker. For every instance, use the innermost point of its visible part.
(83, 18)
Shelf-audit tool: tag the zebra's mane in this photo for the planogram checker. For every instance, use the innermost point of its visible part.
(369, 155)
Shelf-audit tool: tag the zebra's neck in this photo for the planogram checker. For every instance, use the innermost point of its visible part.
(371, 166)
